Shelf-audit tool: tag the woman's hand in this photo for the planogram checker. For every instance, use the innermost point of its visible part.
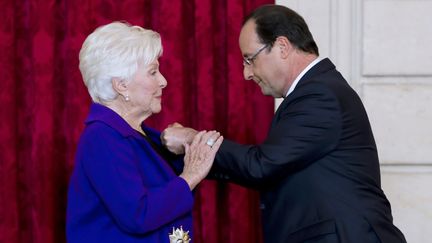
(200, 156)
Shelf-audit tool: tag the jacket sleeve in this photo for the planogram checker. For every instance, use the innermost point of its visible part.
(306, 129)
(110, 164)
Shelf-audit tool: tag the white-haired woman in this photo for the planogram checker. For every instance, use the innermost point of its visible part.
(125, 186)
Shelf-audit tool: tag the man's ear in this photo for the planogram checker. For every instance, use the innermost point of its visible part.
(284, 46)
(119, 85)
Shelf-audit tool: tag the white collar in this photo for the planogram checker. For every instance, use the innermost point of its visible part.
(294, 84)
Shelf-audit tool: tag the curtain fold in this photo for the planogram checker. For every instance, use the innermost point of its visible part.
(45, 102)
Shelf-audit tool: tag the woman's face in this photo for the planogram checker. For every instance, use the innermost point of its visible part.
(145, 88)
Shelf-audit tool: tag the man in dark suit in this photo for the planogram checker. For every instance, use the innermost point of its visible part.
(318, 170)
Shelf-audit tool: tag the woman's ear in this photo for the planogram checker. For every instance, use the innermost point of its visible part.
(119, 85)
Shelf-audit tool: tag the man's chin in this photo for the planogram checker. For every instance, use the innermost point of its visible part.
(269, 93)
(265, 91)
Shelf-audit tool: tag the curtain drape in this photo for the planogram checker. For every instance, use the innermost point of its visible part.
(44, 103)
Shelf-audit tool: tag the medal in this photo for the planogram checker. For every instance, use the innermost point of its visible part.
(179, 236)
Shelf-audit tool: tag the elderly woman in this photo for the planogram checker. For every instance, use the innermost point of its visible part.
(126, 187)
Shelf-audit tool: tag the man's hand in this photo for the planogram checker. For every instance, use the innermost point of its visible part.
(176, 136)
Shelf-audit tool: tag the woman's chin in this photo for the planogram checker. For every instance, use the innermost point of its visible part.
(156, 110)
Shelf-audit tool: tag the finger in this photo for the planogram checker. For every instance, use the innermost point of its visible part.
(176, 124)
(205, 137)
(210, 138)
(198, 137)
(187, 153)
(162, 138)
(214, 136)
(208, 135)
(187, 148)
(173, 124)
(218, 143)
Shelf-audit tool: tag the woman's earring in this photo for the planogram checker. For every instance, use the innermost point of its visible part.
(127, 97)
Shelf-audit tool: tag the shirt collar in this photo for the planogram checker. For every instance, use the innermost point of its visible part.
(294, 84)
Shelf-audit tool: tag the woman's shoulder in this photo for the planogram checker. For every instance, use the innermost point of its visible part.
(100, 134)
(100, 129)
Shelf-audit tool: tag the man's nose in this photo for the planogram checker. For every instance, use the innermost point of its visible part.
(247, 72)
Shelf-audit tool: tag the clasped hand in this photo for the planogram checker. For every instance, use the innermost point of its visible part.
(199, 147)
(176, 136)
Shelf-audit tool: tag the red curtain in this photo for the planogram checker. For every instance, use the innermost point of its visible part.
(44, 104)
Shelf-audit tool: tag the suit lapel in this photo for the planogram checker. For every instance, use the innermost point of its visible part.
(321, 67)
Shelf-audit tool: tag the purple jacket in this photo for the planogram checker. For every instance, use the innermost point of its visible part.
(121, 189)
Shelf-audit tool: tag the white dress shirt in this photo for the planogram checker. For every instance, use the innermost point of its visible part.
(294, 84)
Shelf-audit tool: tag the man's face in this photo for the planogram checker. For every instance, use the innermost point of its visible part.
(261, 65)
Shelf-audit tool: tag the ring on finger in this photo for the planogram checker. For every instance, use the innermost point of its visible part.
(210, 142)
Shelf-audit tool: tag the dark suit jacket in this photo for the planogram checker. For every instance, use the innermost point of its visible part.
(318, 170)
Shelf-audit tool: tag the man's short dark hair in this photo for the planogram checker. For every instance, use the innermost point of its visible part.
(273, 21)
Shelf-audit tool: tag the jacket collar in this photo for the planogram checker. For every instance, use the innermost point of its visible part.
(104, 114)
(323, 66)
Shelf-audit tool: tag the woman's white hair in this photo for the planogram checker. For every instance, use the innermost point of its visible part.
(114, 51)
